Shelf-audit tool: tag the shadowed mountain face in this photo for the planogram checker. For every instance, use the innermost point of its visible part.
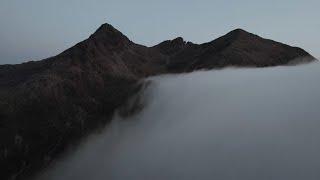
(237, 48)
(46, 106)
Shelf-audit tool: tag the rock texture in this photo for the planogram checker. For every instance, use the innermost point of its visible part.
(48, 105)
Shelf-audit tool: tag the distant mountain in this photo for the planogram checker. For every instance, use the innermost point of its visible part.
(237, 48)
(48, 105)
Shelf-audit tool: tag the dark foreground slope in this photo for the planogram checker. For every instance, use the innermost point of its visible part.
(48, 105)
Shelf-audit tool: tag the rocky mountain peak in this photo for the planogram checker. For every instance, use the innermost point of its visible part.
(109, 33)
(171, 46)
(178, 41)
(237, 34)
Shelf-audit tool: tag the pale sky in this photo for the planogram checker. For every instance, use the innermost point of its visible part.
(36, 29)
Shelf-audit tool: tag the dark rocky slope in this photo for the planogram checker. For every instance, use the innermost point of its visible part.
(48, 105)
(237, 48)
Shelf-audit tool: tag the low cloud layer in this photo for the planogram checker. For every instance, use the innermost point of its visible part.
(244, 124)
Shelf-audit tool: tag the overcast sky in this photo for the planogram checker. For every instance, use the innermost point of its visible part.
(36, 29)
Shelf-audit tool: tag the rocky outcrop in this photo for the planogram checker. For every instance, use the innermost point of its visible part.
(48, 105)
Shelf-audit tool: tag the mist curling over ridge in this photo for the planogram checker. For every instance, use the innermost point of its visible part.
(235, 123)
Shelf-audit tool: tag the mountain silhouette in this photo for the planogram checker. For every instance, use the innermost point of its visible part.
(46, 106)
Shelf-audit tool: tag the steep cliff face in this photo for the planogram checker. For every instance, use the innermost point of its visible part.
(47, 105)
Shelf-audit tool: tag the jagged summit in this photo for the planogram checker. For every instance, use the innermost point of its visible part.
(178, 40)
(175, 41)
(239, 31)
(106, 38)
(169, 47)
(234, 35)
(106, 29)
(108, 32)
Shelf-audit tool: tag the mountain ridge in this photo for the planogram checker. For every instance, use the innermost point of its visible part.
(48, 105)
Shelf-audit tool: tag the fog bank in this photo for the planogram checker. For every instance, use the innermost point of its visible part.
(244, 124)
